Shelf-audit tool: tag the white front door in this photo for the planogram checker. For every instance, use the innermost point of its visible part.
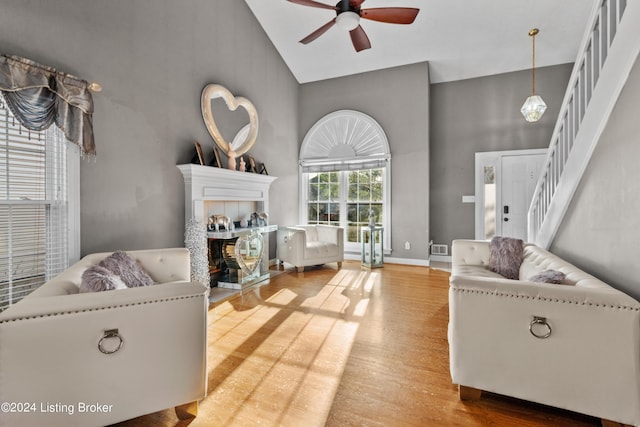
(519, 177)
(505, 181)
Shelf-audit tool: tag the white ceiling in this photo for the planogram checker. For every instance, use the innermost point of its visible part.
(459, 38)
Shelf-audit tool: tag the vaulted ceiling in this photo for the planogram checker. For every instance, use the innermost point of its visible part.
(459, 38)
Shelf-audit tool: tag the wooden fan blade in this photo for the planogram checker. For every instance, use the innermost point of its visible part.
(359, 39)
(355, 3)
(312, 3)
(317, 33)
(391, 15)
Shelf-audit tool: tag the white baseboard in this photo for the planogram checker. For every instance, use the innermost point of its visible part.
(407, 261)
(391, 260)
(440, 258)
(352, 257)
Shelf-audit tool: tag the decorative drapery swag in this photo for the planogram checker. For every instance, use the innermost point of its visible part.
(39, 96)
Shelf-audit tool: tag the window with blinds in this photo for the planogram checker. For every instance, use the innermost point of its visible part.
(33, 207)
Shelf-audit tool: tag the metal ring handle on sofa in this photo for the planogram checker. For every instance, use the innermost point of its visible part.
(537, 320)
(110, 333)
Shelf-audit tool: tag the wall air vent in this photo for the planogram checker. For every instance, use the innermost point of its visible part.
(440, 250)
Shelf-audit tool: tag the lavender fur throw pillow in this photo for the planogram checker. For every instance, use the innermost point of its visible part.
(121, 264)
(98, 279)
(117, 271)
(550, 276)
(505, 257)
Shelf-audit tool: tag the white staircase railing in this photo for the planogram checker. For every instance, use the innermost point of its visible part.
(609, 50)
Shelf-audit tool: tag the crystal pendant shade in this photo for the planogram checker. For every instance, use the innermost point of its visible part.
(533, 108)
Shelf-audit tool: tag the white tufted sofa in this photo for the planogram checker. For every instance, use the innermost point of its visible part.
(304, 245)
(590, 362)
(50, 359)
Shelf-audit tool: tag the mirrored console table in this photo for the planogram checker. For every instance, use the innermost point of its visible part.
(239, 258)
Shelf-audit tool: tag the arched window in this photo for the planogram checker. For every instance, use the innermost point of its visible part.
(345, 173)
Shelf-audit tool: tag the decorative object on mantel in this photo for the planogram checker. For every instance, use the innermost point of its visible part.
(214, 91)
(243, 165)
(231, 163)
(39, 96)
(216, 158)
(252, 163)
(199, 157)
(259, 219)
(215, 221)
(195, 239)
(263, 170)
(534, 107)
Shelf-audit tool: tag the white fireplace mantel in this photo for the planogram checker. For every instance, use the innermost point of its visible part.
(208, 183)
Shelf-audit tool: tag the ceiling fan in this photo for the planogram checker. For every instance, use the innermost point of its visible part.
(348, 14)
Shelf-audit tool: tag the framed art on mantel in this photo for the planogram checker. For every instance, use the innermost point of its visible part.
(216, 158)
(199, 153)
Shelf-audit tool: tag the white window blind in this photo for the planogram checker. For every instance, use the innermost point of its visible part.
(33, 207)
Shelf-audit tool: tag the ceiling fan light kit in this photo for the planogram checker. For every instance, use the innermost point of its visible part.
(348, 15)
(348, 20)
(533, 107)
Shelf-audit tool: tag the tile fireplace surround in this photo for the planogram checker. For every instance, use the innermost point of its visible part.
(210, 190)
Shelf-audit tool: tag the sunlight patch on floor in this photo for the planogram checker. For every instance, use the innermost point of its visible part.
(288, 365)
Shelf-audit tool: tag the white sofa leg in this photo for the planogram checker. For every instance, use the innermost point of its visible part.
(300, 269)
(339, 264)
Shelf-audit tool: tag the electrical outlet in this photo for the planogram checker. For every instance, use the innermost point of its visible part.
(407, 246)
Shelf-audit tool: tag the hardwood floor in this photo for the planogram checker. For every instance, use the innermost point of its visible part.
(344, 347)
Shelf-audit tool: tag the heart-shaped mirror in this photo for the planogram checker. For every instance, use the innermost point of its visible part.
(212, 92)
(244, 253)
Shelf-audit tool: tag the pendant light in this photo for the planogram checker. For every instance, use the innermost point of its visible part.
(534, 107)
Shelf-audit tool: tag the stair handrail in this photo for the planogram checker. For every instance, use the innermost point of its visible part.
(596, 48)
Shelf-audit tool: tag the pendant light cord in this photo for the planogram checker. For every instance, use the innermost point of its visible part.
(533, 34)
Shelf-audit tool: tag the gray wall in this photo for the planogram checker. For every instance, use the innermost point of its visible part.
(600, 231)
(153, 58)
(397, 98)
(478, 115)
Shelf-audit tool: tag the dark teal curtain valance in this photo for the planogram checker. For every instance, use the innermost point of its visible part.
(39, 96)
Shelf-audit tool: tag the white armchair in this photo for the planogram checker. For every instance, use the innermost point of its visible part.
(304, 245)
(52, 362)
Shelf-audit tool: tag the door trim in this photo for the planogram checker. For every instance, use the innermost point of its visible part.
(492, 158)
